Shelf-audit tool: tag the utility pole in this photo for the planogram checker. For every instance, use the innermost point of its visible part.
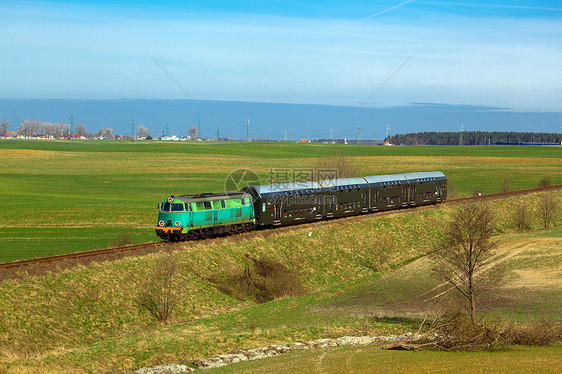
(248, 130)
(285, 138)
(359, 135)
(460, 136)
(133, 129)
(70, 138)
(218, 135)
(387, 133)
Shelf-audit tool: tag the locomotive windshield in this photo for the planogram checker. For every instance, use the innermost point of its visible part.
(174, 207)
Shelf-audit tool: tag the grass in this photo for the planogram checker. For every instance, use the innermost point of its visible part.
(88, 319)
(372, 359)
(52, 189)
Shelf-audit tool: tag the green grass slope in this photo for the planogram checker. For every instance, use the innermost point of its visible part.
(89, 319)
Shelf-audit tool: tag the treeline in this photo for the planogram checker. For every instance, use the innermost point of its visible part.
(474, 138)
(59, 130)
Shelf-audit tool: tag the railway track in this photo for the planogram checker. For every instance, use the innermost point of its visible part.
(116, 252)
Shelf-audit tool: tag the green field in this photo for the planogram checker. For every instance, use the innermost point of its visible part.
(69, 197)
(372, 359)
(60, 197)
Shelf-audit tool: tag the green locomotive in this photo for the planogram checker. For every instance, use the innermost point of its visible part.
(200, 216)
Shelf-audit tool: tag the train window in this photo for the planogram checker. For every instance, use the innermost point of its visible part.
(165, 207)
(200, 206)
(263, 207)
(243, 201)
(207, 205)
(223, 204)
(177, 207)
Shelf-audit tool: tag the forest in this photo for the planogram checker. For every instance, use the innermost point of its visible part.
(475, 138)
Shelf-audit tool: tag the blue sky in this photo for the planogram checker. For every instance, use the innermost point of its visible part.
(505, 54)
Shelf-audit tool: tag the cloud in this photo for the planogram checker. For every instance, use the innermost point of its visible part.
(387, 10)
(504, 62)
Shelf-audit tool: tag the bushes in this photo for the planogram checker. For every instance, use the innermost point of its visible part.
(266, 280)
(522, 216)
(160, 293)
(454, 331)
(540, 333)
(260, 279)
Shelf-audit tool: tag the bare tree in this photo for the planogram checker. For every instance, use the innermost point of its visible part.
(522, 216)
(160, 293)
(193, 132)
(4, 126)
(142, 131)
(343, 166)
(81, 130)
(548, 208)
(461, 254)
(29, 127)
(105, 132)
(506, 184)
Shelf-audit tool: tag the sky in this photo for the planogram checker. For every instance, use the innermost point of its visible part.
(495, 53)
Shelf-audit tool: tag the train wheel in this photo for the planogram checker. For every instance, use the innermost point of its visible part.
(246, 227)
(205, 233)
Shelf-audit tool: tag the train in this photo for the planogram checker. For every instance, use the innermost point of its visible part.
(190, 217)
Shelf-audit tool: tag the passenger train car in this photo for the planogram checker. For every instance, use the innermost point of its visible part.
(200, 216)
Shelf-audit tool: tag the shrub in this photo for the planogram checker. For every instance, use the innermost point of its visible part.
(506, 184)
(547, 208)
(540, 333)
(160, 293)
(477, 191)
(266, 280)
(522, 216)
(545, 181)
(344, 166)
(452, 189)
(379, 253)
(123, 239)
(455, 331)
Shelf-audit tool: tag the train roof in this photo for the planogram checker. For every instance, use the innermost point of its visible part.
(336, 184)
(212, 196)
(294, 188)
(280, 189)
(382, 180)
(425, 176)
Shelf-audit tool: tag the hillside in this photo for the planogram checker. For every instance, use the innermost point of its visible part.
(363, 275)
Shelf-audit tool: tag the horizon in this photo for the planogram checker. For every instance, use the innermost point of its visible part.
(274, 120)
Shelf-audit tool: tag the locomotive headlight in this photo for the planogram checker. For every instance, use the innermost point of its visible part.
(161, 223)
(170, 200)
(178, 223)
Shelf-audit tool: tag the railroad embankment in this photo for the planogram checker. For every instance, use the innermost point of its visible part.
(354, 277)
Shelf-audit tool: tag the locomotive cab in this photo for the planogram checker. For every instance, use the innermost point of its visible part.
(173, 216)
